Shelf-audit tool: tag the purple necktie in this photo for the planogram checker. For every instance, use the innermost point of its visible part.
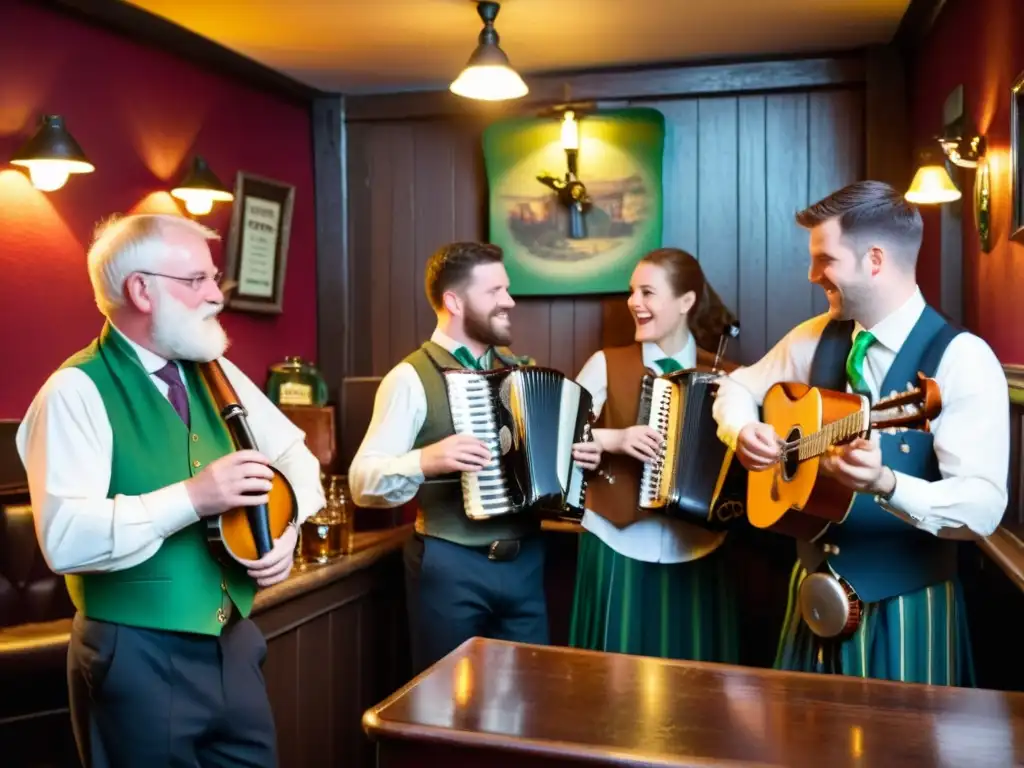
(176, 390)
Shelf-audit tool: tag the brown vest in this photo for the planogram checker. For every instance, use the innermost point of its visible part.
(617, 502)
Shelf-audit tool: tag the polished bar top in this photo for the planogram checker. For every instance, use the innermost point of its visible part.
(632, 710)
(368, 548)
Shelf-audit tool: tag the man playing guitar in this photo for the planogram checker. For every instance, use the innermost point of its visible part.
(894, 555)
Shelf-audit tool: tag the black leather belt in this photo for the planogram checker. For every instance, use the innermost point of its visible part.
(500, 550)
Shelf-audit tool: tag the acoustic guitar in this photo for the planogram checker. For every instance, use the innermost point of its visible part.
(246, 532)
(792, 497)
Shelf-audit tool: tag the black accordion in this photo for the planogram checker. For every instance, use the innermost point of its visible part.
(695, 477)
(530, 417)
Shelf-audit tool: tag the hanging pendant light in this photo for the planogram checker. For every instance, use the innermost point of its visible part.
(488, 75)
(200, 189)
(51, 155)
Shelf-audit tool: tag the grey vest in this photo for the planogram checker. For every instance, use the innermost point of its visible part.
(441, 512)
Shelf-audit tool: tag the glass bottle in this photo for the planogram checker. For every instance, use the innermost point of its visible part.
(328, 533)
(296, 382)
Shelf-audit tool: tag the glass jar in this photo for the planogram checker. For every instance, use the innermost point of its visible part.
(296, 382)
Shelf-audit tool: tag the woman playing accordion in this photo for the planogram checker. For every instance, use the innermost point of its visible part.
(650, 584)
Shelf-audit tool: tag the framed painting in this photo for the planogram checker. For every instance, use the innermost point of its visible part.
(618, 161)
(1016, 159)
(257, 245)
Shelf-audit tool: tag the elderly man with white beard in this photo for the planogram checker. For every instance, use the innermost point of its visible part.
(126, 456)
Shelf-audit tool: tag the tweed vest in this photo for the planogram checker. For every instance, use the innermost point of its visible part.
(441, 512)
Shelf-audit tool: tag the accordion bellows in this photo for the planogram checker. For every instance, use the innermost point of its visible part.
(529, 417)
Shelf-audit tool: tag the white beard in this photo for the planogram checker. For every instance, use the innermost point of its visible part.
(180, 333)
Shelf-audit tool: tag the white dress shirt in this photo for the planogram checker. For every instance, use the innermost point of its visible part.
(66, 445)
(655, 539)
(972, 432)
(385, 472)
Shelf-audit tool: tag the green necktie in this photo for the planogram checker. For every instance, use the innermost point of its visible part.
(855, 362)
(464, 356)
(668, 365)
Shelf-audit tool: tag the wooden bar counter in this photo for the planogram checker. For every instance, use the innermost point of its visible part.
(497, 704)
(336, 642)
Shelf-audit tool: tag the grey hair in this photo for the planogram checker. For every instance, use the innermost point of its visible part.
(126, 244)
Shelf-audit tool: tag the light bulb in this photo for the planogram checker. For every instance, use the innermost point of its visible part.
(489, 83)
(570, 131)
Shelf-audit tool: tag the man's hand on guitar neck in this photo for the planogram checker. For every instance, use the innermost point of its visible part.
(757, 446)
(858, 466)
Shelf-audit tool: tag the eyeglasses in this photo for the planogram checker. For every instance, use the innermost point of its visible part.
(195, 283)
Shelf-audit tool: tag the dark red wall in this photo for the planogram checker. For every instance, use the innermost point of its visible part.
(139, 114)
(978, 44)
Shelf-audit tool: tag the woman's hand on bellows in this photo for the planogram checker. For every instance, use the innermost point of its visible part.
(641, 442)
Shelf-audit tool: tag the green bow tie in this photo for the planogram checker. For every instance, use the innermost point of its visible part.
(668, 365)
(855, 362)
(464, 356)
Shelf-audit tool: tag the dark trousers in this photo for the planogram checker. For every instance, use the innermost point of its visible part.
(456, 592)
(146, 698)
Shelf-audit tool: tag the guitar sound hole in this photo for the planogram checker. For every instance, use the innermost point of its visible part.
(791, 458)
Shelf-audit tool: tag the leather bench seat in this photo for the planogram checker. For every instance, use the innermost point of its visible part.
(35, 610)
(34, 646)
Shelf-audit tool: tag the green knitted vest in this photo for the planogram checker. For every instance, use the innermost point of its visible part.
(182, 587)
(441, 510)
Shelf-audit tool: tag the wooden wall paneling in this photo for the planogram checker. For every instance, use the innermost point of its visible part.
(434, 216)
(679, 174)
(561, 355)
(531, 328)
(717, 198)
(786, 166)
(835, 146)
(406, 209)
(617, 327)
(331, 654)
(359, 142)
(736, 170)
(752, 202)
(586, 329)
(384, 142)
(333, 266)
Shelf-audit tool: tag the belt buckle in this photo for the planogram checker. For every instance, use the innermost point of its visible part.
(494, 552)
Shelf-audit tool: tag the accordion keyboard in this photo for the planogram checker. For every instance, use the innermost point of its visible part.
(662, 417)
(471, 399)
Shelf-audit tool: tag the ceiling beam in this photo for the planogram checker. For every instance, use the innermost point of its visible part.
(634, 84)
(142, 26)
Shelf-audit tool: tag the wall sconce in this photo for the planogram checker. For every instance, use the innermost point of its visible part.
(932, 184)
(571, 191)
(200, 189)
(967, 150)
(51, 155)
(488, 76)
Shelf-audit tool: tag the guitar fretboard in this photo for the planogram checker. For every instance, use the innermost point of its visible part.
(839, 430)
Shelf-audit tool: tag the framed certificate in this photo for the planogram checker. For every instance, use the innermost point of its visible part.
(257, 246)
